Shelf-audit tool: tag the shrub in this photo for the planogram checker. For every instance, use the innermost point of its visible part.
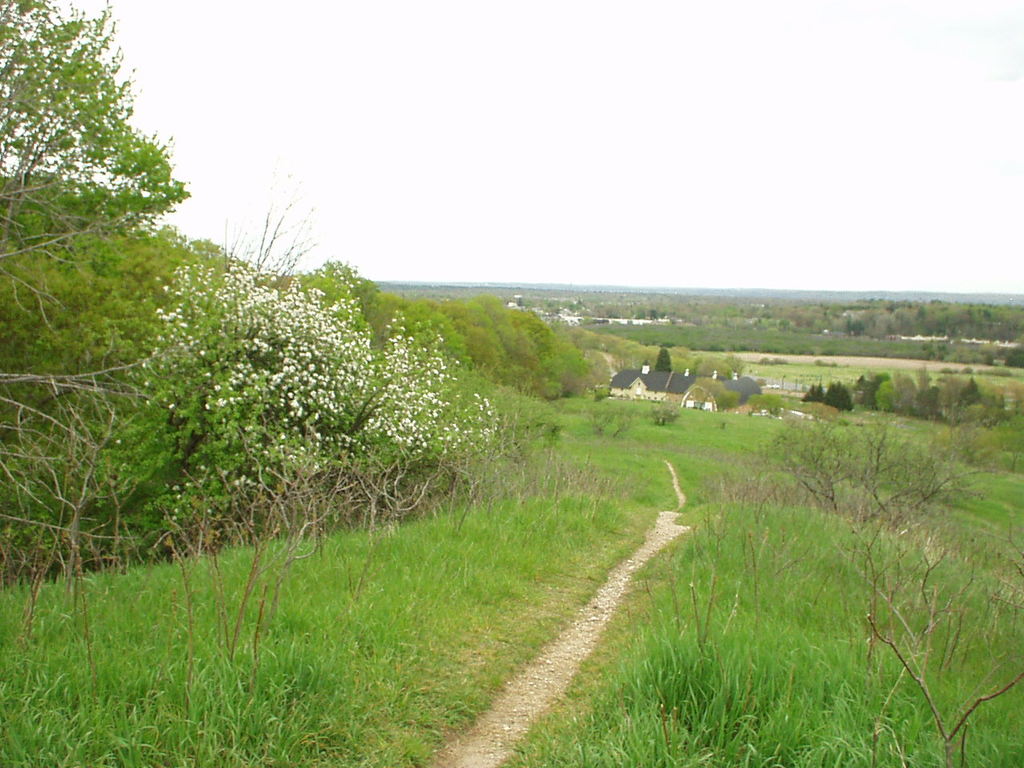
(255, 378)
(664, 413)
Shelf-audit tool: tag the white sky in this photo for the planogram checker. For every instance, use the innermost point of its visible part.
(825, 144)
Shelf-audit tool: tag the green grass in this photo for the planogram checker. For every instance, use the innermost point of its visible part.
(997, 507)
(381, 643)
(700, 446)
(385, 642)
(766, 663)
(748, 646)
(747, 339)
(807, 374)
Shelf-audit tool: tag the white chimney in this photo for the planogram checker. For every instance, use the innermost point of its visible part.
(687, 372)
(735, 376)
(714, 374)
(645, 370)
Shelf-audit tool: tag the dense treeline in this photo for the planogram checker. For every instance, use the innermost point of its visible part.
(988, 422)
(752, 339)
(866, 318)
(873, 319)
(509, 347)
(953, 399)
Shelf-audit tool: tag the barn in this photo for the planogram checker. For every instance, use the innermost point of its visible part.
(684, 388)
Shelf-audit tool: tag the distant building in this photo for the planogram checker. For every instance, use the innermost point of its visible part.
(682, 388)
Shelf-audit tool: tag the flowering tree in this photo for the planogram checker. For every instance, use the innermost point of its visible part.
(255, 375)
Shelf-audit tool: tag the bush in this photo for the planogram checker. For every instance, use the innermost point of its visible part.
(773, 404)
(867, 473)
(256, 379)
(664, 413)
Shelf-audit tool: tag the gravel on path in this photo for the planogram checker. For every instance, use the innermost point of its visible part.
(490, 741)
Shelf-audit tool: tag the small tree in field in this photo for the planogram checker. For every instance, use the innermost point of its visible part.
(773, 404)
(664, 413)
(926, 610)
(868, 473)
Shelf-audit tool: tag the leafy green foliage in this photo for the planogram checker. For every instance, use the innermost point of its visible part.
(100, 309)
(773, 404)
(838, 396)
(69, 160)
(254, 380)
(510, 347)
(1015, 357)
(664, 361)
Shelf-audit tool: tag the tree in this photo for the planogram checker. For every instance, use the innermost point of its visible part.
(73, 172)
(1015, 357)
(1009, 437)
(70, 162)
(868, 473)
(970, 394)
(838, 396)
(773, 404)
(664, 361)
(664, 413)
(885, 396)
(866, 389)
(727, 399)
(253, 381)
(816, 394)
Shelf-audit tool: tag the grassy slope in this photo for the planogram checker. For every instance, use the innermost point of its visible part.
(380, 644)
(784, 676)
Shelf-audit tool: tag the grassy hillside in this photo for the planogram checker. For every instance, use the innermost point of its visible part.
(383, 642)
(750, 646)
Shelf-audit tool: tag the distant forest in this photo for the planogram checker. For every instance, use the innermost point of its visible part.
(842, 324)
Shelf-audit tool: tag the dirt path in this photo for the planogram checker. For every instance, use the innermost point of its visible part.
(526, 696)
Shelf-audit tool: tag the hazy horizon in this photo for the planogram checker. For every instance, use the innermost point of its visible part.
(867, 146)
(782, 293)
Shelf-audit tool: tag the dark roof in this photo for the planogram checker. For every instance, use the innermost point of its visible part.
(657, 381)
(745, 385)
(677, 383)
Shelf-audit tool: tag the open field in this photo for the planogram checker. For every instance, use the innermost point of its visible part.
(771, 341)
(805, 370)
(874, 363)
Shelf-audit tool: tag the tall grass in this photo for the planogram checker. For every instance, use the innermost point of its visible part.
(382, 640)
(754, 650)
(386, 640)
